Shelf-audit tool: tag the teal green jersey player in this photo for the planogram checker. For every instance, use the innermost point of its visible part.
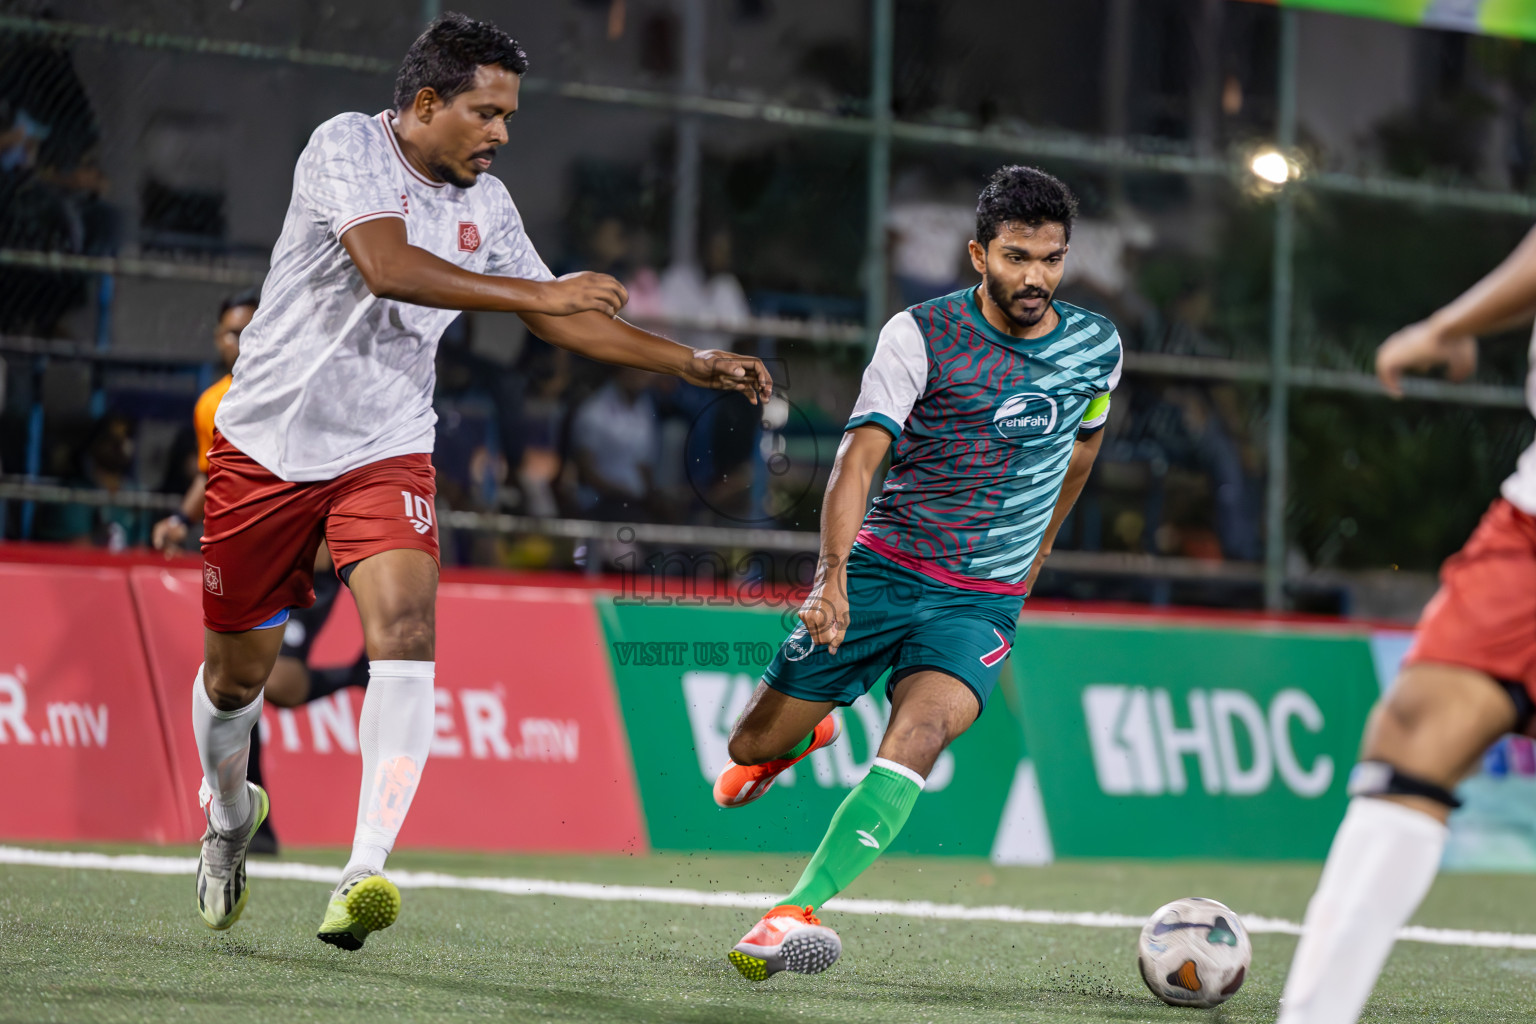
(994, 399)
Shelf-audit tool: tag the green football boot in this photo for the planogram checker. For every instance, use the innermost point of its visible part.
(221, 890)
(360, 905)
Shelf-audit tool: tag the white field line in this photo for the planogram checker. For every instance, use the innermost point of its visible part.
(146, 864)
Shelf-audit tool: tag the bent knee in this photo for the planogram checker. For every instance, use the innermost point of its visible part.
(1442, 697)
(231, 692)
(749, 749)
(918, 742)
(1405, 714)
(1437, 718)
(410, 637)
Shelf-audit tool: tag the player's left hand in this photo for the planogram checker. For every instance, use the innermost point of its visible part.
(727, 371)
(168, 535)
(1421, 347)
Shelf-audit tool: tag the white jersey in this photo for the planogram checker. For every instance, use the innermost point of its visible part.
(1520, 489)
(331, 377)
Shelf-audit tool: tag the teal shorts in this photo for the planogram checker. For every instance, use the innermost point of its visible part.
(906, 622)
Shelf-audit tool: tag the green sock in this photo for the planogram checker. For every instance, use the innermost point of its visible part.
(863, 826)
(799, 748)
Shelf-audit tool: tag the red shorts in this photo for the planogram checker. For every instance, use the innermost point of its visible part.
(1483, 616)
(260, 533)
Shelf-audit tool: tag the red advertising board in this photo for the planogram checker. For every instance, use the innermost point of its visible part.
(82, 751)
(529, 751)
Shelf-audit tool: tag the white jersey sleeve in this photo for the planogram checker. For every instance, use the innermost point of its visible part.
(895, 378)
(512, 252)
(347, 175)
(1097, 413)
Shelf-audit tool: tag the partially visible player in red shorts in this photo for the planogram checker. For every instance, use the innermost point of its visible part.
(1469, 678)
(327, 429)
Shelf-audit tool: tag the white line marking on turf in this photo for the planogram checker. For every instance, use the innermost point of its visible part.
(146, 864)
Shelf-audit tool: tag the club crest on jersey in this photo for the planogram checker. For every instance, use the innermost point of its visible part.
(469, 236)
(1027, 415)
(213, 580)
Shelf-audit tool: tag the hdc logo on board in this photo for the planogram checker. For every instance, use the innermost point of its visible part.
(1140, 749)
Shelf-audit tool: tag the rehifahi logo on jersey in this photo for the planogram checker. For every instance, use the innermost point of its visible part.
(798, 645)
(1027, 415)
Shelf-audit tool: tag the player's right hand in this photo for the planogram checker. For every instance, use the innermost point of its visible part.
(825, 610)
(1421, 347)
(168, 535)
(583, 291)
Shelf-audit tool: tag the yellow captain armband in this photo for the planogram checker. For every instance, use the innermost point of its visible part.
(1095, 416)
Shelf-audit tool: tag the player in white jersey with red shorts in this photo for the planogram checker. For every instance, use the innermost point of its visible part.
(1469, 678)
(327, 431)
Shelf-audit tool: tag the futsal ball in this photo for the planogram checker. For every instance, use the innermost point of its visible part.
(1194, 952)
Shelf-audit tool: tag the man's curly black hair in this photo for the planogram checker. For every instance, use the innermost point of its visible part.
(1023, 195)
(249, 297)
(446, 56)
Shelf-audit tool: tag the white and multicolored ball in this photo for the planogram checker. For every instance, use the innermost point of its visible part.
(1194, 952)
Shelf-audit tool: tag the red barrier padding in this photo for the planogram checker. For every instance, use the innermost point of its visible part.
(662, 588)
(529, 755)
(82, 752)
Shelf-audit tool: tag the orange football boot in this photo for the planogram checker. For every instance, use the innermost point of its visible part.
(788, 938)
(739, 784)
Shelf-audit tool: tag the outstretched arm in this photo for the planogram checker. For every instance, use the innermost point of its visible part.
(393, 268)
(609, 339)
(1505, 298)
(577, 312)
(1084, 451)
(825, 609)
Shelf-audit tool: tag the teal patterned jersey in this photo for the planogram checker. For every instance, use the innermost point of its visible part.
(984, 425)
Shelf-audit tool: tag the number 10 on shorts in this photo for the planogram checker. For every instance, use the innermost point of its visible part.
(418, 510)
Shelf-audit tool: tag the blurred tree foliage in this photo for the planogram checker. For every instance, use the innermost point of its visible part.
(1373, 482)
(1402, 484)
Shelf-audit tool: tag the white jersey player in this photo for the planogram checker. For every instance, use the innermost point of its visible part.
(327, 430)
(1469, 678)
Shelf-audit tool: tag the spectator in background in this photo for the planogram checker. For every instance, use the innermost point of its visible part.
(235, 313)
(711, 294)
(51, 184)
(613, 448)
(928, 239)
(1102, 273)
(104, 464)
(700, 436)
(546, 372)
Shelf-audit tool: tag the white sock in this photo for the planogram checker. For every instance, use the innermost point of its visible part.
(395, 735)
(224, 745)
(1380, 866)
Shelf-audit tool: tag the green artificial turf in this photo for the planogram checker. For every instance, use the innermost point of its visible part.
(109, 946)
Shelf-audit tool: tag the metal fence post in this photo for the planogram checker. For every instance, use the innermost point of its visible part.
(882, 44)
(1281, 288)
(689, 157)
